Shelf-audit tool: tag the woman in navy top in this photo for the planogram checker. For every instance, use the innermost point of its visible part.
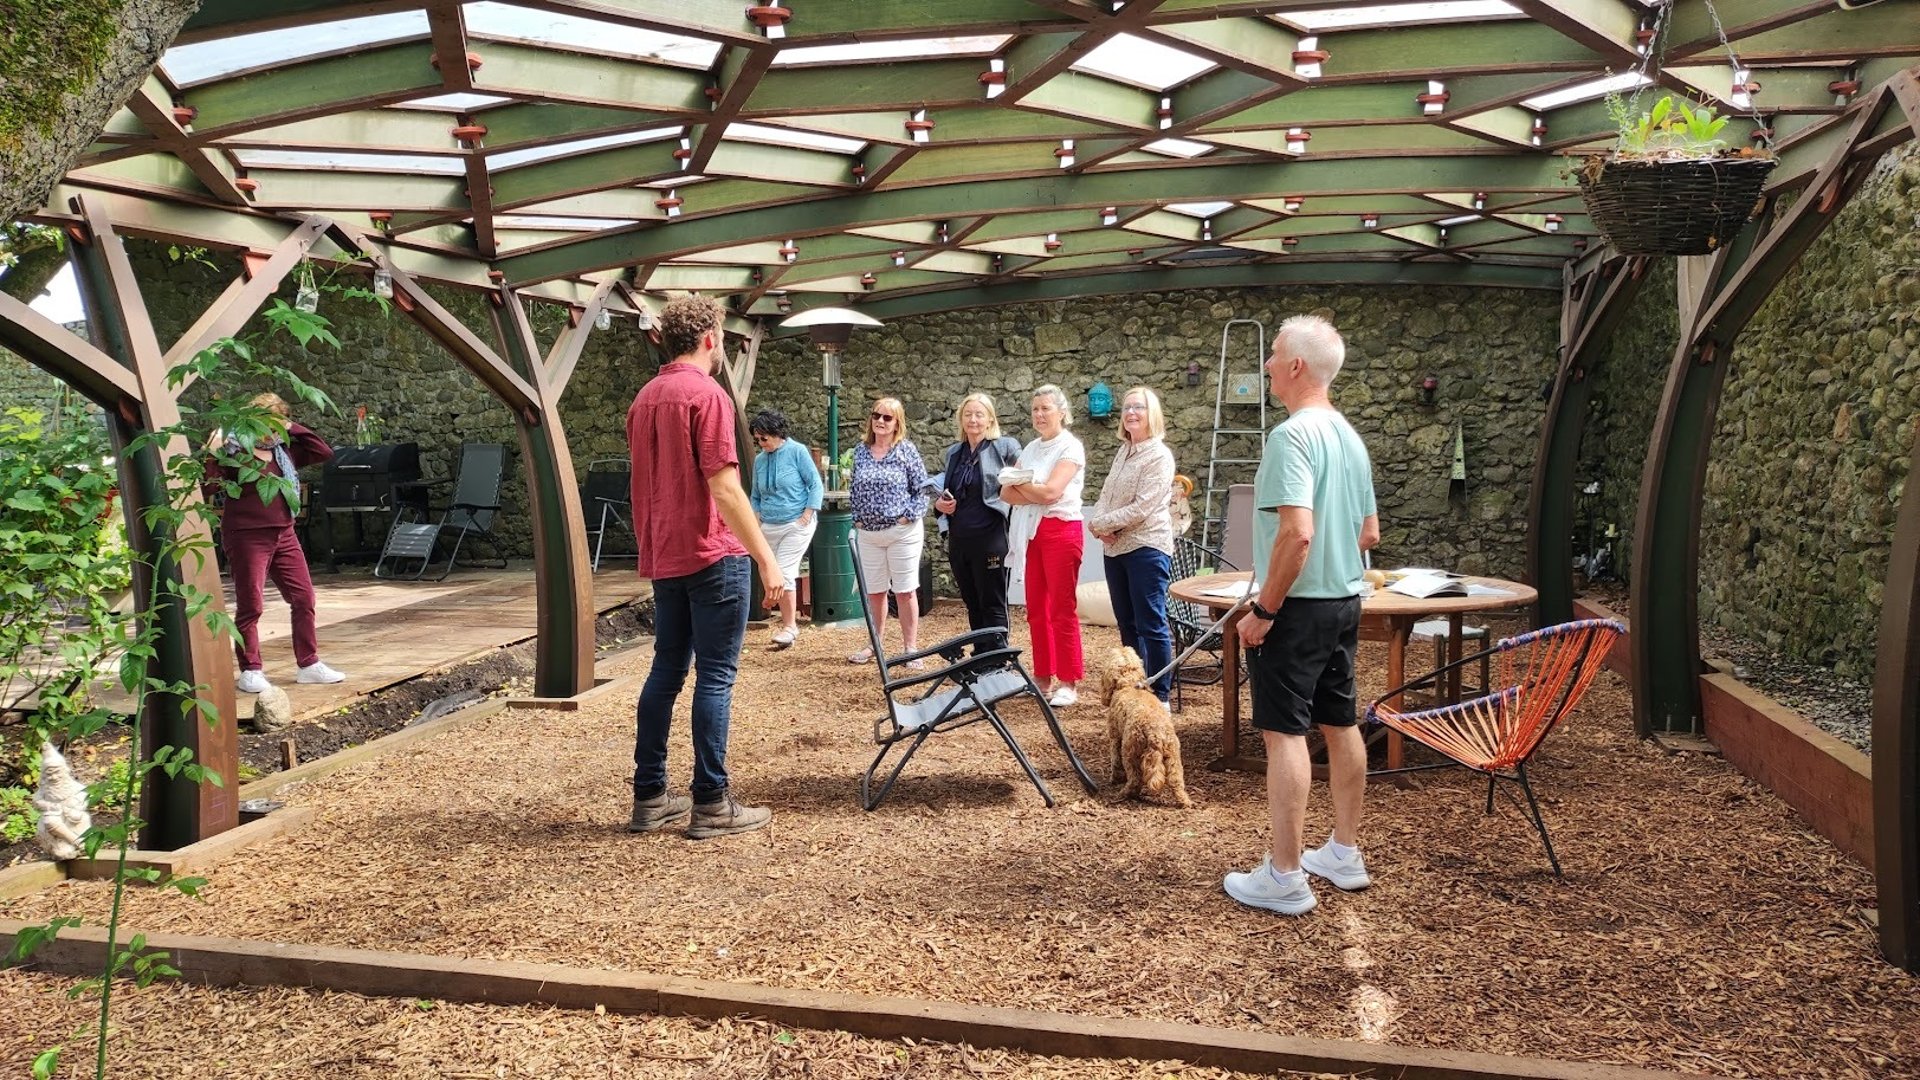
(974, 515)
(888, 494)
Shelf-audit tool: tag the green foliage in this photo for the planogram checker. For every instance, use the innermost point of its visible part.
(1671, 127)
(18, 818)
(113, 788)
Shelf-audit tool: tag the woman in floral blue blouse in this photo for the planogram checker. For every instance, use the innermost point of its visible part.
(889, 497)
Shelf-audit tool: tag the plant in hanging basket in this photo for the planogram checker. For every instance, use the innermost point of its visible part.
(1672, 186)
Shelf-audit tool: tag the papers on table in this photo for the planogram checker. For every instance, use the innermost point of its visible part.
(1477, 589)
(1421, 584)
(1230, 590)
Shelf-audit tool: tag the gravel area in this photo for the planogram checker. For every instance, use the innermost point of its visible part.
(1840, 707)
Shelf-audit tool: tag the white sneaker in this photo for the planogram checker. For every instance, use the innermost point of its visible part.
(1063, 696)
(1349, 873)
(1258, 888)
(252, 681)
(1167, 705)
(318, 672)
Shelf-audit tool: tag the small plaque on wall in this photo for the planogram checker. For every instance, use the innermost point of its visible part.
(1244, 388)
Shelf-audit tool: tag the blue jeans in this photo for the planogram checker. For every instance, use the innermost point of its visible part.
(1137, 584)
(701, 618)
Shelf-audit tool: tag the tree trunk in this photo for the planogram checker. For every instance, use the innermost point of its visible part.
(64, 68)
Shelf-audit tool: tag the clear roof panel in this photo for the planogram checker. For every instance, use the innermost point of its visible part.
(455, 102)
(1185, 148)
(565, 224)
(1585, 91)
(1139, 62)
(513, 158)
(805, 140)
(1401, 14)
(423, 164)
(1199, 209)
(588, 35)
(185, 64)
(902, 49)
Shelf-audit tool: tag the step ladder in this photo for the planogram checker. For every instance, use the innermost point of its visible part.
(1241, 397)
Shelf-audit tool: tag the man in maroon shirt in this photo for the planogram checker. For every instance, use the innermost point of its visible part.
(695, 528)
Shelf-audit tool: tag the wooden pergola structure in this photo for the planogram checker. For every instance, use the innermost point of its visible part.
(906, 157)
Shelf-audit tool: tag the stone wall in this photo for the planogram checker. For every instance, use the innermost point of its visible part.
(1491, 351)
(1624, 397)
(1815, 434)
(25, 386)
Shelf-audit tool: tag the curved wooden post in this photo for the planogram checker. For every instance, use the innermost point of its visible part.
(1595, 304)
(563, 582)
(1714, 308)
(177, 811)
(1896, 741)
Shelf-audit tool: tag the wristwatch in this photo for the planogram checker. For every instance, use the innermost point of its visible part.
(1260, 612)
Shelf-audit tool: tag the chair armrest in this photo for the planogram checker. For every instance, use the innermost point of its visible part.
(950, 648)
(989, 658)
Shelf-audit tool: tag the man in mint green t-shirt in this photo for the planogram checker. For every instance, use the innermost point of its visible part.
(1314, 514)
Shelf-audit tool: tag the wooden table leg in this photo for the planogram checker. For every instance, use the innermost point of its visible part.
(1455, 640)
(1229, 697)
(1399, 630)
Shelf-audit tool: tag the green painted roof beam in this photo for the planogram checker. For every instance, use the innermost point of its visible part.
(1355, 204)
(379, 76)
(1767, 30)
(1168, 224)
(1410, 138)
(1127, 278)
(401, 131)
(1254, 45)
(1033, 59)
(997, 124)
(907, 232)
(702, 278)
(1510, 125)
(1605, 26)
(1323, 104)
(1075, 93)
(831, 23)
(1030, 246)
(957, 262)
(1062, 263)
(759, 161)
(1037, 224)
(1330, 224)
(539, 123)
(161, 173)
(1425, 235)
(297, 189)
(1474, 93)
(929, 84)
(1191, 183)
(1559, 246)
(559, 177)
(959, 162)
(527, 71)
(1439, 50)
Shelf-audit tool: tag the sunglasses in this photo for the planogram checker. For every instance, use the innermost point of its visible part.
(880, 416)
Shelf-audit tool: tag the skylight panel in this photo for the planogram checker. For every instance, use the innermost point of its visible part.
(600, 142)
(456, 102)
(1448, 223)
(1182, 148)
(1199, 209)
(564, 224)
(590, 35)
(346, 161)
(1401, 14)
(1585, 91)
(904, 49)
(1139, 62)
(804, 140)
(200, 61)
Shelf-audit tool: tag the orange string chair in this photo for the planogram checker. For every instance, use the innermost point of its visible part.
(1541, 676)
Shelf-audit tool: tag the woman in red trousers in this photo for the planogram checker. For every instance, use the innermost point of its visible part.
(257, 535)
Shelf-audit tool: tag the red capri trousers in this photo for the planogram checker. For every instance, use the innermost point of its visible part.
(253, 556)
(1053, 617)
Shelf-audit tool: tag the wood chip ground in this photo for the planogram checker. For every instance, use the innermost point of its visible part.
(1700, 926)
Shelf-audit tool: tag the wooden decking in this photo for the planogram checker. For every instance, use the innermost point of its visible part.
(383, 632)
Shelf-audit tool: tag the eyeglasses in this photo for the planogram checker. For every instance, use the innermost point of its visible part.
(880, 416)
(1133, 408)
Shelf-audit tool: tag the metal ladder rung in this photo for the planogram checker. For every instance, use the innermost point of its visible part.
(1213, 511)
(1241, 431)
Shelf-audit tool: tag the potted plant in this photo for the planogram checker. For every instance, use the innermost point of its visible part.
(1671, 185)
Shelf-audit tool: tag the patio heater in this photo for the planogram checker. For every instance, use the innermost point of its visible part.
(835, 596)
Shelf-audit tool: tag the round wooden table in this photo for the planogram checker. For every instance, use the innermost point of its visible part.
(1384, 616)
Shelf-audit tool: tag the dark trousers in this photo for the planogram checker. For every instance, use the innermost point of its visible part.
(979, 562)
(698, 620)
(253, 557)
(1137, 584)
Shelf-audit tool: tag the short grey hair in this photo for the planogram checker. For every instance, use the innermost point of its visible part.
(1059, 399)
(1314, 340)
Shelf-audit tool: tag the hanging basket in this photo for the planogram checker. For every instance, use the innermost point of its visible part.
(1676, 207)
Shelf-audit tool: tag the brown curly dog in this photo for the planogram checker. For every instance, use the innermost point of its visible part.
(1146, 749)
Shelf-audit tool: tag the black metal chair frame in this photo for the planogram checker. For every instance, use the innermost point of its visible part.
(1432, 682)
(1190, 622)
(962, 691)
(414, 535)
(600, 501)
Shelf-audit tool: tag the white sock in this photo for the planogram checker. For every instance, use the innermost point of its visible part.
(1339, 850)
(1288, 879)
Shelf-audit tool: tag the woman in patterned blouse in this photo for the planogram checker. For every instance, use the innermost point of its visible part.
(889, 497)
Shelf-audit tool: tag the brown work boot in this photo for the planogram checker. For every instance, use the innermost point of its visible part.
(725, 818)
(652, 815)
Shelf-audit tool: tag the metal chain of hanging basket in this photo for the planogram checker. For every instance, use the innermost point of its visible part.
(1675, 205)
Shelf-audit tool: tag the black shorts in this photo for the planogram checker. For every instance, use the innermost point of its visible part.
(1302, 674)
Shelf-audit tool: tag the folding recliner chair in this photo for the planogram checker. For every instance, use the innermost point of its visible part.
(606, 498)
(1540, 677)
(959, 690)
(415, 534)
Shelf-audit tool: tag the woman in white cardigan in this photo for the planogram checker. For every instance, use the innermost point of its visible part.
(1134, 524)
